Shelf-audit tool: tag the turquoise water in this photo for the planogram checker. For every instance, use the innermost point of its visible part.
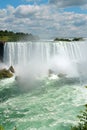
(47, 105)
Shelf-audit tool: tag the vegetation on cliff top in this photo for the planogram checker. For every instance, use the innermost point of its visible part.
(69, 40)
(9, 36)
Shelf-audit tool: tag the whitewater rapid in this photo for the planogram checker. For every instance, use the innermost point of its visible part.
(49, 105)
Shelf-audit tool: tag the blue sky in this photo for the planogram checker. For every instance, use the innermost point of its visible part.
(15, 3)
(46, 18)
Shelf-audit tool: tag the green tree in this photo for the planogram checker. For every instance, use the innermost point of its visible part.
(1, 127)
(83, 121)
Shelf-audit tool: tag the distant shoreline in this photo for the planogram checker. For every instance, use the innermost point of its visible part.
(69, 40)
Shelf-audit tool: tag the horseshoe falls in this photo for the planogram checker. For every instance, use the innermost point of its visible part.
(38, 57)
(37, 100)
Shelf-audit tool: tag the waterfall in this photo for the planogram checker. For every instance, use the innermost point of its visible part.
(67, 53)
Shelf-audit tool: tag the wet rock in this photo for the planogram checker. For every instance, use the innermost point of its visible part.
(50, 72)
(5, 74)
(85, 86)
(11, 68)
(61, 75)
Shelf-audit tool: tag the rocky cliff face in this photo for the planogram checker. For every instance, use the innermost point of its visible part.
(1, 50)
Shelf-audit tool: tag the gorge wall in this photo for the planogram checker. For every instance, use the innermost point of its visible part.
(1, 50)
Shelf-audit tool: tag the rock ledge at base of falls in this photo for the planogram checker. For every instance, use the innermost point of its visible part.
(7, 73)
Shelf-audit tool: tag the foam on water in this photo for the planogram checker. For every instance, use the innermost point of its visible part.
(50, 106)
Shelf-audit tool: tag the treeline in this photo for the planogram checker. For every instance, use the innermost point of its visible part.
(9, 36)
(69, 40)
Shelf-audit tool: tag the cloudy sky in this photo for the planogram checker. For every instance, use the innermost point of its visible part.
(45, 18)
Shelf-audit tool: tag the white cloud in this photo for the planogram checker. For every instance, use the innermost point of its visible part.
(33, 1)
(65, 3)
(43, 21)
(26, 10)
(2, 13)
